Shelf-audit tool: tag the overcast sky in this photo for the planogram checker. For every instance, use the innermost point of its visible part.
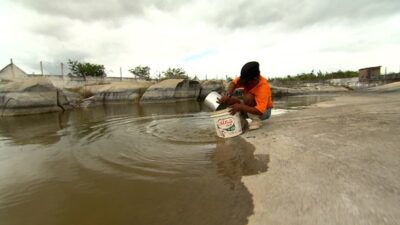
(204, 37)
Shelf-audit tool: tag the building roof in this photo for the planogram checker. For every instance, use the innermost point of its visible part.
(12, 71)
(368, 68)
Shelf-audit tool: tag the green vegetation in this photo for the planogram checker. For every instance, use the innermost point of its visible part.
(86, 69)
(141, 72)
(174, 73)
(312, 77)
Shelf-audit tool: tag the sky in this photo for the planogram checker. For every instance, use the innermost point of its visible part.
(208, 39)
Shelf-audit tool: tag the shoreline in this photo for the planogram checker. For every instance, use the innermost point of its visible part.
(335, 162)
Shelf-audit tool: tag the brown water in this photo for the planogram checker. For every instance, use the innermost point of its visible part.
(123, 164)
(300, 101)
(126, 164)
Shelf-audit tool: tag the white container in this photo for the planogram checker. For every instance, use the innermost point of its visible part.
(226, 125)
(211, 100)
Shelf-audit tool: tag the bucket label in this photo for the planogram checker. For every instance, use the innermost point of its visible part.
(227, 124)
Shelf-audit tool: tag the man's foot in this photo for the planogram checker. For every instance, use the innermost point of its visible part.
(255, 123)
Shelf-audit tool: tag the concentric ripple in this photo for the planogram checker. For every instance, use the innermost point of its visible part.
(190, 129)
(155, 147)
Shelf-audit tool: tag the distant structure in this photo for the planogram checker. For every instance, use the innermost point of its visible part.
(369, 73)
(11, 72)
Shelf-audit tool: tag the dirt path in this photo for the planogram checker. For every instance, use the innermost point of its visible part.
(337, 162)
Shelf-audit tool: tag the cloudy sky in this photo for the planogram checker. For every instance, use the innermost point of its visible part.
(204, 37)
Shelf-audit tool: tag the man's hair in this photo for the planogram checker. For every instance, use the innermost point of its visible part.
(250, 71)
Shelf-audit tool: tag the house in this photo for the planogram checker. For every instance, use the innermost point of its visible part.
(369, 74)
(12, 72)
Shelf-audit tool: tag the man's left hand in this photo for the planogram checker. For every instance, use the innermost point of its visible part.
(235, 108)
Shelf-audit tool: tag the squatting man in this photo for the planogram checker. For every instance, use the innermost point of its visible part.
(257, 97)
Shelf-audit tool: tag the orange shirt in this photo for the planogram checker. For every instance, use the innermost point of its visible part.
(262, 93)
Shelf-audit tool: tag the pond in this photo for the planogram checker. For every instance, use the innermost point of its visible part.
(126, 164)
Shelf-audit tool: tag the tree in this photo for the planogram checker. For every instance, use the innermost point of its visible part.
(306, 77)
(86, 69)
(143, 72)
(175, 73)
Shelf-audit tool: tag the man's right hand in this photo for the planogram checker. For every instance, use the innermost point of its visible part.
(223, 99)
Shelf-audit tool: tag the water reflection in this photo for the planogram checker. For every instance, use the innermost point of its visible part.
(299, 101)
(235, 158)
(33, 129)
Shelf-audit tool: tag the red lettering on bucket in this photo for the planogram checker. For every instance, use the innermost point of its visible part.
(225, 122)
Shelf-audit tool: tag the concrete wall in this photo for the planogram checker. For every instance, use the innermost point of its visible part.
(356, 84)
(172, 90)
(208, 86)
(30, 96)
(76, 82)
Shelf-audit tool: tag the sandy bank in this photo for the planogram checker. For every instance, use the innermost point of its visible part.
(334, 163)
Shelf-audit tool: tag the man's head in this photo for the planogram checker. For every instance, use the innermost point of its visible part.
(250, 73)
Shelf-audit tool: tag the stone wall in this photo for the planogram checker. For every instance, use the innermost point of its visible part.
(31, 96)
(77, 82)
(208, 86)
(172, 90)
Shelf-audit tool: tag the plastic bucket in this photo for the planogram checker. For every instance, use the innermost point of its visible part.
(226, 125)
(211, 100)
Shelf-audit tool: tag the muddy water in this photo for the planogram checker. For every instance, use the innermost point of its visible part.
(123, 164)
(300, 101)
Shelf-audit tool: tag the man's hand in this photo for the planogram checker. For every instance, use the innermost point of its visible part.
(235, 108)
(223, 99)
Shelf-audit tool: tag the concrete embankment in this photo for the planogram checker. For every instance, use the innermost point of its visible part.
(125, 92)
(18, 98)
(31, 96)
(304, 90)
(172, 90)
(336, 162)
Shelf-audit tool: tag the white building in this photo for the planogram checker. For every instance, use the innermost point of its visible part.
(12, 72)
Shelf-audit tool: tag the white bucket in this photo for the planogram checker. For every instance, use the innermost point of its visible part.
(226, 125)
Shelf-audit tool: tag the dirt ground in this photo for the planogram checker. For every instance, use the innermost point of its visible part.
(336, 162)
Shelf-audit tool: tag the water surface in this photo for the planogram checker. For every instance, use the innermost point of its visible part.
(123, 164)
(126, 164)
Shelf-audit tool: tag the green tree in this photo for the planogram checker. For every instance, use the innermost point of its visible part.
(306, 77)
(174, 73)
(86, 69)
(143, 72)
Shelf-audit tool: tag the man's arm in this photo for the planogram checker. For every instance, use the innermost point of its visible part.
(231, 88)
(228, 94)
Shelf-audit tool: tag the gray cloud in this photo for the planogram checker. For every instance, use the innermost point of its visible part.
(105, 31)
(231, 14)
(55, 28)
(292, 13)
(51, 63)
(90, 10)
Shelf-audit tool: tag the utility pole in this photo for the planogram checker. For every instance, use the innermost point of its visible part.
(120, 73)
(12, 68)
(41, 67)
(62, 70)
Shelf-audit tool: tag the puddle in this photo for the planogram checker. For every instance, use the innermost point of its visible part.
(124, 165)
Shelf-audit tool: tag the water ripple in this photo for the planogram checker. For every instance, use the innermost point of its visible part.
(147, 148)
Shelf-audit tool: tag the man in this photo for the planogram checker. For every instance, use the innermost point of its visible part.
(257, 97)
